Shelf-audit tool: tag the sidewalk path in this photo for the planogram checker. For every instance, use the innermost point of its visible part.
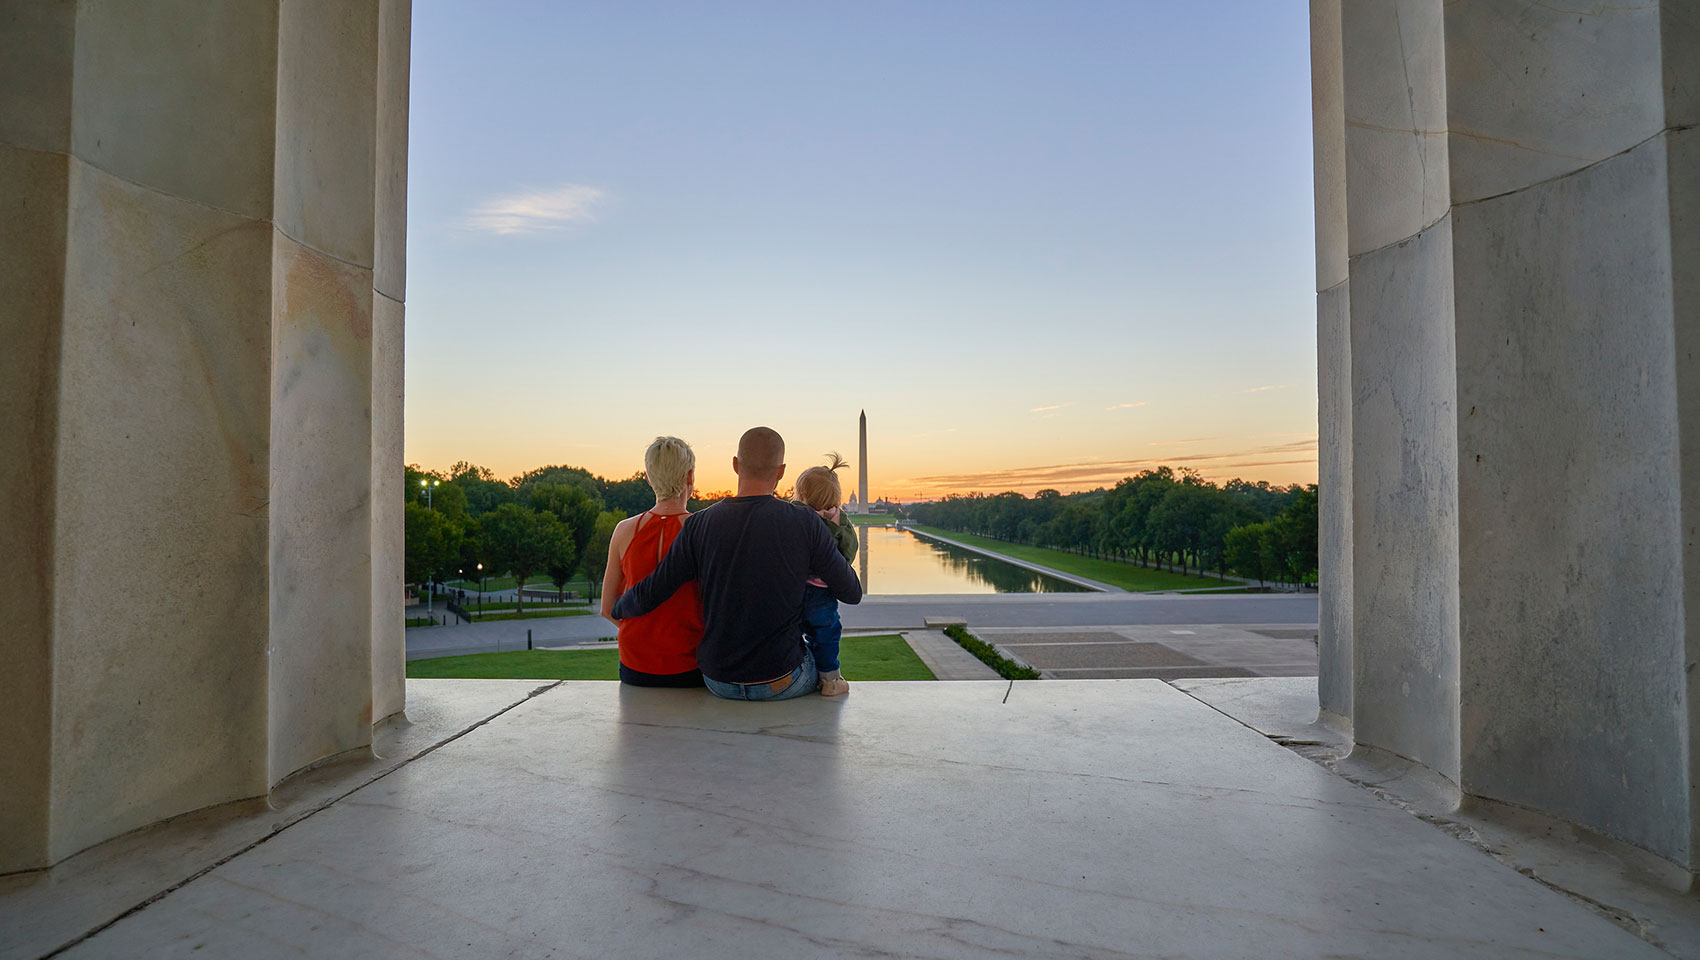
(945, 657)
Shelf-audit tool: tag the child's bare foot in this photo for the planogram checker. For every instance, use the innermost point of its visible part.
(834, 686)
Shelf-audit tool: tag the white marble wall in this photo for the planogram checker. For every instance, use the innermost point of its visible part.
(187, 251)
(1523, 210)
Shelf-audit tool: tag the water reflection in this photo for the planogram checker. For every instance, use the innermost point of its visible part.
(897, 561)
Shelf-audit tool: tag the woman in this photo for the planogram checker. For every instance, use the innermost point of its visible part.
(658, 649)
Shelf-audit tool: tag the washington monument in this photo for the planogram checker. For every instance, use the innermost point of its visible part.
(862, 467)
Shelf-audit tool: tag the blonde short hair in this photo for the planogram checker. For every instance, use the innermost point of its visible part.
(665, 465)
(818, 486)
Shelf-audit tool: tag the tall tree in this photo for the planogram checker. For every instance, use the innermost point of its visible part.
(596, 549)
(523, 541)
(430, 540)
(1246, 550)
(630, 496)
(484, 492)
(572, 504)
(1295, 537)
(560, 558)
(558, 476)
(472, 552)
(445, 497)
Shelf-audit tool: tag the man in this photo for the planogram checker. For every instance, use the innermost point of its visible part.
(750, 555)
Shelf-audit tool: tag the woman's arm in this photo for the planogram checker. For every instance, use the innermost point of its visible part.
(614, 578)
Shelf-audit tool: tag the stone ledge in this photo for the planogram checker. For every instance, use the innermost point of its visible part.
(1100, 818)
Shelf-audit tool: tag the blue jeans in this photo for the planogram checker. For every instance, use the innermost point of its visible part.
(821, 626)
(798, 683)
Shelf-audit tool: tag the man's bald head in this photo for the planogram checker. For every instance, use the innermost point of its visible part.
(761, 450)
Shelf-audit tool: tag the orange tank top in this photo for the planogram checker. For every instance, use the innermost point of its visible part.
(664, 640)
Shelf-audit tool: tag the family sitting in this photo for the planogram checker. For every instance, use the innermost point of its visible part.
(741, 597)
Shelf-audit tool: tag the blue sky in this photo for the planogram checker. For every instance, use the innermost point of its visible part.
(1038, 242)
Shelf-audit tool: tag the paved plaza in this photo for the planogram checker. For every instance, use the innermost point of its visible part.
(1164, 652)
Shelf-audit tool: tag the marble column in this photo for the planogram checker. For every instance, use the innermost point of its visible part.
(389, 294)
(1522, 193)
(36, 53)
(1333, 366)
(1679, 31)
(1403, 440)
(186, 292)
(1571, 550)
(321, 381)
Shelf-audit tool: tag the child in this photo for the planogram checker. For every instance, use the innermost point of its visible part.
(818, 489)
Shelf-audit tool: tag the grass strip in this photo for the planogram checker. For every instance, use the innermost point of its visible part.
(509, 606)
(1128, 576)
(885, 657)
(1006, 668)
(522, 665)
(529, 615)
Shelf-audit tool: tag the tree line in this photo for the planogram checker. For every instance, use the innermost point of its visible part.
(554, 520)
(1159, 518)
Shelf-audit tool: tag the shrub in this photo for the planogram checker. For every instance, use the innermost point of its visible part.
(1006, 668)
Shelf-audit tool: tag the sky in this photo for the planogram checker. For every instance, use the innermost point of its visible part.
(1042, 244)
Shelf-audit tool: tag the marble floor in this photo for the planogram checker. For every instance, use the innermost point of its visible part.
(1054, 818)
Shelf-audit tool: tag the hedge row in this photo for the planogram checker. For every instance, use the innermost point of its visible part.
(1006, 668)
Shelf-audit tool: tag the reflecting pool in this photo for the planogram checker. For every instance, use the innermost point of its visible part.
(897, 561)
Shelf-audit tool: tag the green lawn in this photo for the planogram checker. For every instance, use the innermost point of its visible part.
(507, 606)
(863, 658)
(885, 657)
(531, 614)
(523, 665)
(1128, 576)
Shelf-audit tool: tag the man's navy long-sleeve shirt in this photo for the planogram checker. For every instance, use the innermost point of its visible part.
(750, 557)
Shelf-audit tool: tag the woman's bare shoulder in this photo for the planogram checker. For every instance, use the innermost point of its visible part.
(624, 531)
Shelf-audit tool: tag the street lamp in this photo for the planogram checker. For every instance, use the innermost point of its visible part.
(481, 589)
(430, 588)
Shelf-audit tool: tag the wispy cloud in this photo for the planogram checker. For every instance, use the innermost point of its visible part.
(1087, 474)
(1176, 443)
(1052, 406)
(537, 210)
(1274, 386)
(1125, 406)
